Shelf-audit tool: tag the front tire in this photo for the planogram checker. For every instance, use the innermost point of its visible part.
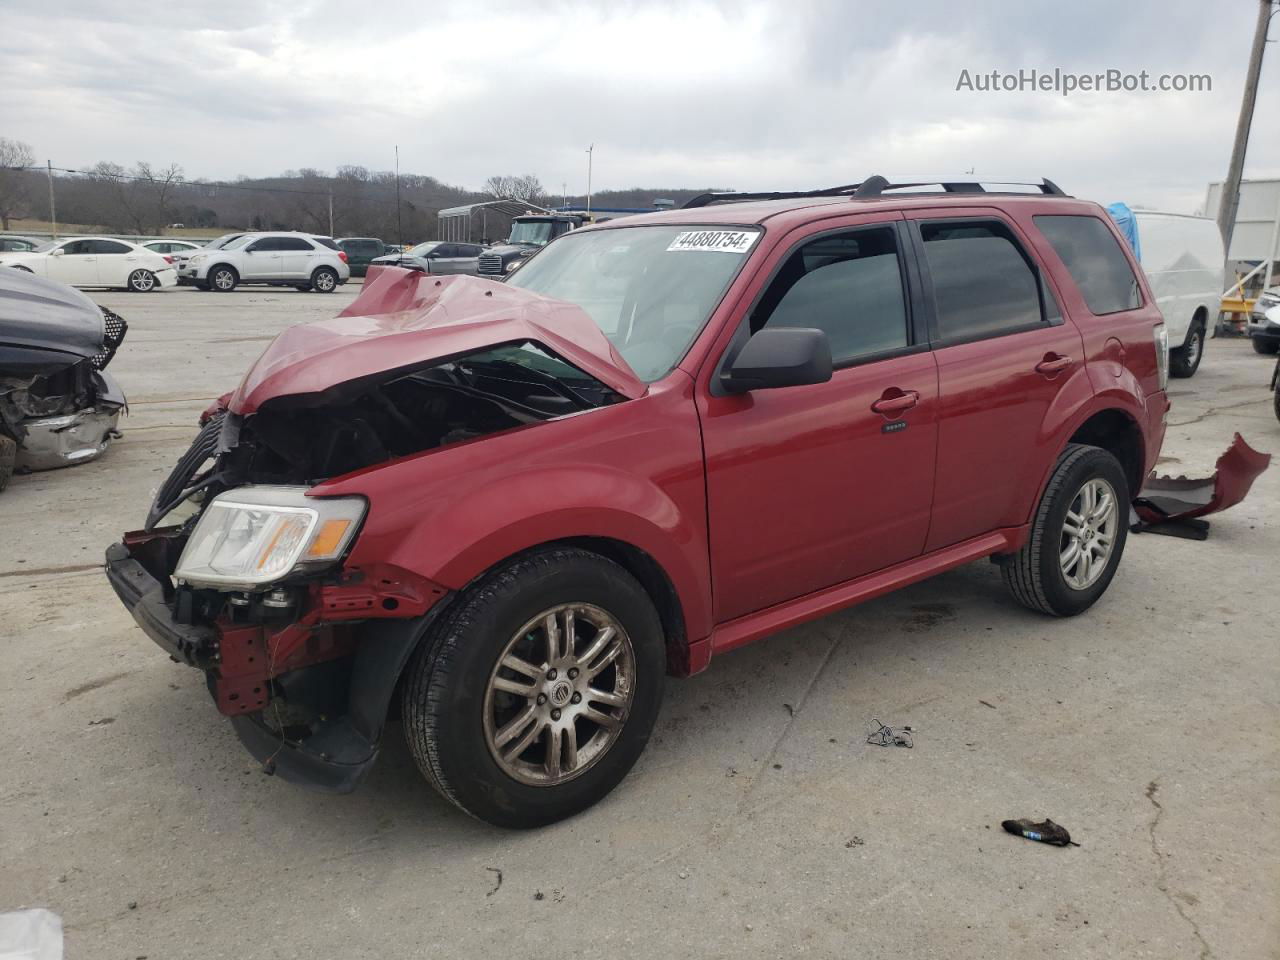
(223, 279)
(8, 457)
(1077, 537)
(536, 692)
(324, 280)
(1184, 361)
(141, 281)
(1264, 346)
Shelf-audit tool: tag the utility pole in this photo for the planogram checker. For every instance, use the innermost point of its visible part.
(331, 210)
(1231, 187)
(590, 151)
(399, 226)
(53, 209)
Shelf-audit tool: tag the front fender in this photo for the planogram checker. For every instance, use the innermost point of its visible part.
(631, 473)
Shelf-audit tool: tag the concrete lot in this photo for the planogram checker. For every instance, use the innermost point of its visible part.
(758, 823)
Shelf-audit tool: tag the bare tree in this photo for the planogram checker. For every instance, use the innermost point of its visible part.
(15, 158)
(523, 187)
(162, 185)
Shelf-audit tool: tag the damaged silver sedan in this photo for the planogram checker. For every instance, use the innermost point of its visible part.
(58, 405)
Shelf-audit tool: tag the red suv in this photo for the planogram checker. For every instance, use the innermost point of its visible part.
(507, 510)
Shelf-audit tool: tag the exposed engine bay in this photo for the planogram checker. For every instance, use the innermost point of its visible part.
(308, 438)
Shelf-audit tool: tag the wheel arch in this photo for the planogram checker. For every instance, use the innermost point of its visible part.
(1116, 431)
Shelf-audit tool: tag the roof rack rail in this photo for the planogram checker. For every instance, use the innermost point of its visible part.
(872, 188)
(875, 185)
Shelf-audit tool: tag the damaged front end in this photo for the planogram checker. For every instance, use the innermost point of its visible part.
(58, 405)
(240, 569)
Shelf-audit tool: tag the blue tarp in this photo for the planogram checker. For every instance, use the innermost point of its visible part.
(1128, 225)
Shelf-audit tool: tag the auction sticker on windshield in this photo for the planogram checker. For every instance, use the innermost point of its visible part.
(719, 241)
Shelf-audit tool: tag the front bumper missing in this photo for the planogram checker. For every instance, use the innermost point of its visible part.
(335, 751)
(71, 438)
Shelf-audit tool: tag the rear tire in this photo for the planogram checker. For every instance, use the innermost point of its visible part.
(1040, 574)
(324, 280)
(455, 713)
(141, 281)
(1264, 346)
(8, 457)
(1185, 360)
(223, 279)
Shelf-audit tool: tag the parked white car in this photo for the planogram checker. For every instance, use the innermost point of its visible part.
(96, 262)
(302, 260)
(1183, 259)
(172, 248)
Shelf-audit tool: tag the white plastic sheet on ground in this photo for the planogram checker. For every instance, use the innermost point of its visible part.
(30, 935)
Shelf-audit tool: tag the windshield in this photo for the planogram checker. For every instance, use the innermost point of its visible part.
(537, 233)
(422, 249)
(222, 242)
(650, 289)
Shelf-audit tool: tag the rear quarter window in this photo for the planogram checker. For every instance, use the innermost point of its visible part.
(325, 242)
(1093, 257)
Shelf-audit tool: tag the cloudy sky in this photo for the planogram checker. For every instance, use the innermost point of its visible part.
(751, 95)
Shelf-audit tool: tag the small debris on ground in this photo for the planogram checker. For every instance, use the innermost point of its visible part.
(886, 736)
(791, 711)
(539, 895)
(854, 841)
(1046, 831)
(985, 704)
(497, 886)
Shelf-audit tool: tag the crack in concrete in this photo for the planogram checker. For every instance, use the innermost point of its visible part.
(50, 571)
(1162, 883)
(1214, 411)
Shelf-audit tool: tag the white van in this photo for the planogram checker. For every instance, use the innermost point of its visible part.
(1183, 259)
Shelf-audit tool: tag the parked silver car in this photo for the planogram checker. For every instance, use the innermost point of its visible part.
(436, 256)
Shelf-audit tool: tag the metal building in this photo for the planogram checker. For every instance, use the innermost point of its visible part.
(1256, 238)
(485, 222)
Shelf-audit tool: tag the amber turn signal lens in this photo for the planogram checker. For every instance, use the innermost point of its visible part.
(326, 541)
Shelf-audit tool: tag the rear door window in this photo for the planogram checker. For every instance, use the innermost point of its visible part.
(849, 285)
(1093, 257)
(983, 284)
(108, 246)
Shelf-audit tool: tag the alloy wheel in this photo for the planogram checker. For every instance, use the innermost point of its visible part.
(142, 280)
(324, 282)
(1088, 534)
(223, 280)
(559, 695)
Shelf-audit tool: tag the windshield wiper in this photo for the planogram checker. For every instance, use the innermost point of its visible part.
(538, 377)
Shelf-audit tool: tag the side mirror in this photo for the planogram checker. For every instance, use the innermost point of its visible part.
(58, 251)
(782, 357)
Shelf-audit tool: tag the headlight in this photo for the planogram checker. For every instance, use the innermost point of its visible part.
(253, 536)
(512, 266)
(197, 258)
(1162, 354)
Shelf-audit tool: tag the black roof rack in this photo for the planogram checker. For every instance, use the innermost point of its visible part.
(873, 187)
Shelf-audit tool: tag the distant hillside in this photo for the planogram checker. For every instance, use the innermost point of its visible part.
(144, 201)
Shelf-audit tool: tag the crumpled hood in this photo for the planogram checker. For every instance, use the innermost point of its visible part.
(40, 314)
(404, 319)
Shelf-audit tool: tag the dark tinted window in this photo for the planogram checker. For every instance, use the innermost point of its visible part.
(109, 246)
(1095, 261)
(79, 246)
(848, 285)
(264, 245)
(469, 250)
(293, 243)
(324, 242)
(982, 285)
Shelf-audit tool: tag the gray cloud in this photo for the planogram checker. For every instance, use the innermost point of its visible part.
(749, 95)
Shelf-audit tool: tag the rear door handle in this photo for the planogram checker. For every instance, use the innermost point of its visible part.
(902, 400)
(1053, 363)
